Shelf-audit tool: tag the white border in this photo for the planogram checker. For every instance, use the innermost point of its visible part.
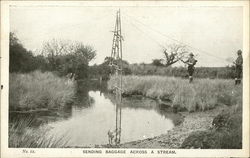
(77, 152)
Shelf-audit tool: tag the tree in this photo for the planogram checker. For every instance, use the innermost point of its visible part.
(157, 62)
(82, 56)
(85, 53)
(53, 50)
(68, 57)
(21, 60)
(105, 69)
(173, 53)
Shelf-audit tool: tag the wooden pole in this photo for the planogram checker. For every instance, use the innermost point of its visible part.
(116, 63)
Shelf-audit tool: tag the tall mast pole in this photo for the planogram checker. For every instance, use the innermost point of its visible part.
(116, 62)
(121, 64)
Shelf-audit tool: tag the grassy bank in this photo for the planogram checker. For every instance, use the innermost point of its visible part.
(220, 128)
(200, 72)
(39, 90)
(201, 95)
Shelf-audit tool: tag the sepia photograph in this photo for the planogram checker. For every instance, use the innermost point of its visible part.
(122, 76)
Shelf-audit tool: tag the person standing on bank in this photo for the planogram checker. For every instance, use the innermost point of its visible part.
(190, 62)
(238, 67)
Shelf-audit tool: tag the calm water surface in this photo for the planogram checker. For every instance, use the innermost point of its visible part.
(87, 122)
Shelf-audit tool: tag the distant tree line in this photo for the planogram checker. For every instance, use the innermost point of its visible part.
(71, 59)
(64, 58)
(200, 72)
(105, 69)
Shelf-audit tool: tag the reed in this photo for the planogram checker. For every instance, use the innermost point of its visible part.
(37, 90)
(22, 135)
(202, 94)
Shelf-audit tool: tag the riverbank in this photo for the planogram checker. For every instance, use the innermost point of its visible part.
(213, 129)
(212, 111)
(39, 91)
(174, 138)
(188, 129)
(201, 95)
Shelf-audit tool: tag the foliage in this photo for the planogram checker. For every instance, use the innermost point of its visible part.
(105, 69)
(68, 57)
(22, 60)
(203, 94)
(72, 59)
(60, 56)
(39, 90)
(157, 62)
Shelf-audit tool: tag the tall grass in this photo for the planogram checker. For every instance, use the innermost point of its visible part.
(201, 95)
(39, 90)
(22, 135)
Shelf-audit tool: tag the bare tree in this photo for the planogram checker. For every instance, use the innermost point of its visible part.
(173, 53)
(56, 48)
(68, 57)
(53, 49)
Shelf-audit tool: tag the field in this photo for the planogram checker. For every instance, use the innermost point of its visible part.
(202, 94)
(227, 72)
(38, 90)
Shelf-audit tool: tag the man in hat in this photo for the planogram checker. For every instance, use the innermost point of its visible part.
(190, 62)
(238, 67)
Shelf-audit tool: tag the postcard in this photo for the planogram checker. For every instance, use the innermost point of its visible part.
(124, 79)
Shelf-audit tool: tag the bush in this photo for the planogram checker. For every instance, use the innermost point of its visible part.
(39, 90)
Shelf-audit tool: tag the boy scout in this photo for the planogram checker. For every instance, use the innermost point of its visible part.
(190, 62)
(238, 67)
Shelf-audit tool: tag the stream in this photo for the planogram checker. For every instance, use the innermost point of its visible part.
(87, 122)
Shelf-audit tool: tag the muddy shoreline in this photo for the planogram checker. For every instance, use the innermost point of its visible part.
(187, 123)
(197, 121)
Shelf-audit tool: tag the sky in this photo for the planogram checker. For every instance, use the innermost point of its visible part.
(214, 33)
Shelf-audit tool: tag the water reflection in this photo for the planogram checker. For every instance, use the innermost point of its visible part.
(90, 126)
(81, 100)
(88, 120)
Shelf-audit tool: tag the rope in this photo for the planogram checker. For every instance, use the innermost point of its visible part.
(137, 28)
(202, 51)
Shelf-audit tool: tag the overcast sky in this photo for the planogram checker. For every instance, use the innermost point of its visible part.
(215, 30)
